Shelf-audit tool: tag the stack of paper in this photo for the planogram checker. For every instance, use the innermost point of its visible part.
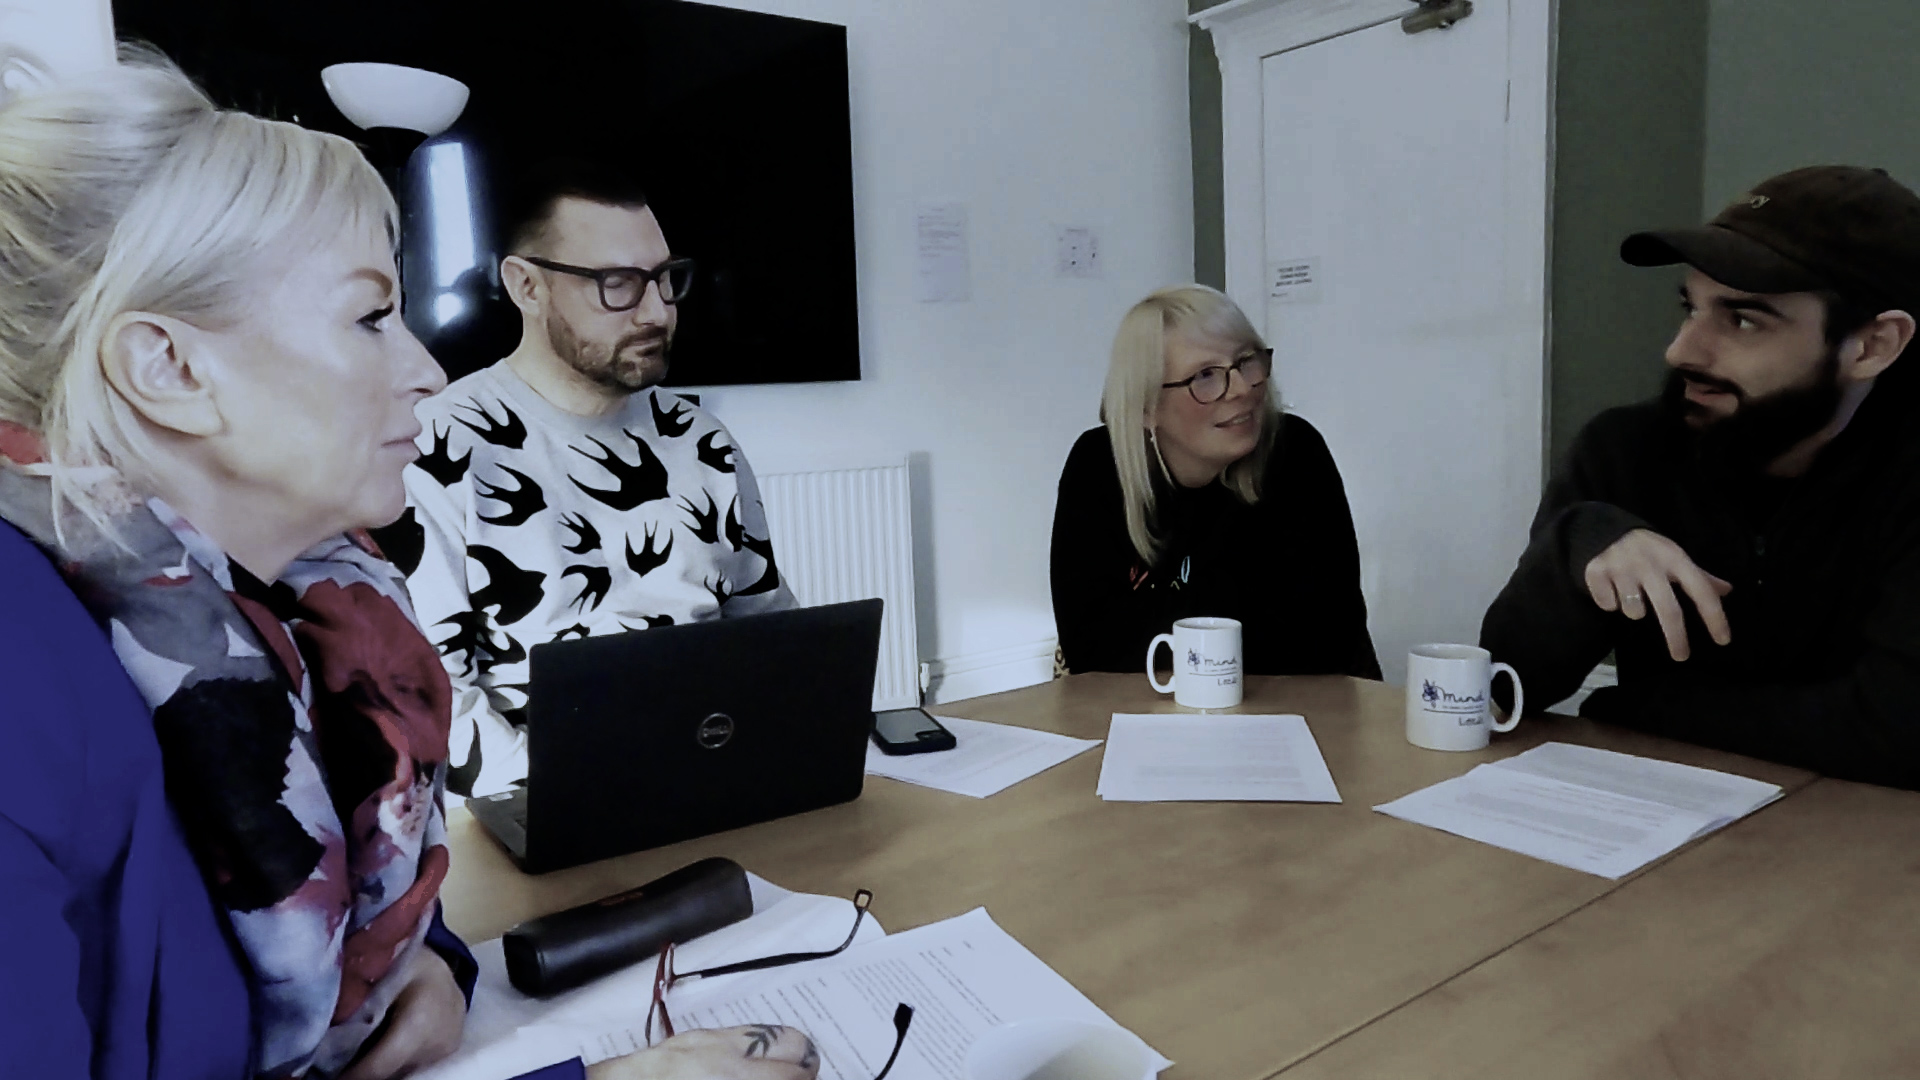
(1187, 758)
(988, 758)
(1594, 810)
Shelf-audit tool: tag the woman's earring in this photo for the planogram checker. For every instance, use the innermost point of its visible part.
(1160, 457)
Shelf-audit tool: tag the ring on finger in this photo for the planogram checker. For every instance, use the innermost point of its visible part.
(1635, 597)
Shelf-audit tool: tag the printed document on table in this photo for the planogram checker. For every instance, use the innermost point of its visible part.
(962, 976)
(987, 758)
(508, 1033)
(1579, 827)
(1721, 796)
(1189, 758)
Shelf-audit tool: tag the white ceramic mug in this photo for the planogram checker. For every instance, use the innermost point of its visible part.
(1450, 697)
(1206, 663)
(1059, 1050)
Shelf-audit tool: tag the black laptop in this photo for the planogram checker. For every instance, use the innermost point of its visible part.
(650, 737)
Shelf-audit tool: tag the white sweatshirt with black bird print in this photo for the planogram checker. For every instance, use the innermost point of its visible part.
(527, 524)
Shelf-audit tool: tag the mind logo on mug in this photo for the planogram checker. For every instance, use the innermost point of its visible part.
(1450, 700)
(1206, 656)
(1468, 708)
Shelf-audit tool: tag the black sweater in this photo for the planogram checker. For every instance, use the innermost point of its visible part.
(1823, 670)
(1287, 568)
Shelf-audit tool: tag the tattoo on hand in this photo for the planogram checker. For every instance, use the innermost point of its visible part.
(810, 1059)
(760, 1039)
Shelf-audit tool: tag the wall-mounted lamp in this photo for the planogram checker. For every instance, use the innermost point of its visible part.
(397, 106)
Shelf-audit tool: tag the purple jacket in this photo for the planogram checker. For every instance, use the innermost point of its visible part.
(113, 963)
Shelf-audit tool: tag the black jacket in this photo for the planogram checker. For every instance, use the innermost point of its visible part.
(1823, 670)
(1287, 567)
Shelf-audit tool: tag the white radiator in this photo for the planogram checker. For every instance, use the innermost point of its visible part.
(848, 535)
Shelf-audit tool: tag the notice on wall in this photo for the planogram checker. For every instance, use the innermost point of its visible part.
(940, 236)
(1294, 280)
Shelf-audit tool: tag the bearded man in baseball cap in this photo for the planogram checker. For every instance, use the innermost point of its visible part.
(1747, 545)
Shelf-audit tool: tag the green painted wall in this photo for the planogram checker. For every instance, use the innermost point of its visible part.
(1630, 119)
(1809, 82)
(1203, 106)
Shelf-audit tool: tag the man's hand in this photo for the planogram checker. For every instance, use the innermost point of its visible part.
(759, 1052)
(421, 1027)
(1640, 570)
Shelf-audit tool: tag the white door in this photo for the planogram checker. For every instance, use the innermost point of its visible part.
(1391, 171)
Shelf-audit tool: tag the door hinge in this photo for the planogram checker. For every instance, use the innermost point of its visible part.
(1436, 15)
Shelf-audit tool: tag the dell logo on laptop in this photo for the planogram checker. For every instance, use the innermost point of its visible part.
(714, 732)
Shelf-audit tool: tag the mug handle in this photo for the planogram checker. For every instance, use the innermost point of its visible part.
(1151, 647)
(1519, 699)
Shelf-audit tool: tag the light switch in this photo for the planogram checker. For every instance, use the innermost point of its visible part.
(1076, 251)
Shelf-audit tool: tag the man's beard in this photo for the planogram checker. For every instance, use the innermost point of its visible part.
(625, 366)
(1760, 429)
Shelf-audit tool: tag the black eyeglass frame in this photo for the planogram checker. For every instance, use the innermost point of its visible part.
(657, 275)
(1226, 387)
(665, 977)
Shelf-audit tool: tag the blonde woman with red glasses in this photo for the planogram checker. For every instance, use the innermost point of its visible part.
(1201, 496)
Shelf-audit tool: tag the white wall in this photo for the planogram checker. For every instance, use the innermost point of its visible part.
(51, 37)
(1034, 113)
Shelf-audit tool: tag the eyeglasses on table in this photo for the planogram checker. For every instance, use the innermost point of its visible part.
(665, 978)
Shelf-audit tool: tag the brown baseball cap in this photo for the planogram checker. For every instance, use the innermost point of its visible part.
(1839, 227)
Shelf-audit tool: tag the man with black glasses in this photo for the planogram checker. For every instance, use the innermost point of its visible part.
(1748, 544)
(563, 494)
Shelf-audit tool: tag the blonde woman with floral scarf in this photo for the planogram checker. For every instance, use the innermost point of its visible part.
(206, 394)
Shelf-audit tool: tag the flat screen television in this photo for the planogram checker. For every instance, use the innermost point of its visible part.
(735, 123)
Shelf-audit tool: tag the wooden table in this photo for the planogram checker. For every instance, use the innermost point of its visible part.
(1786, 946)
(1239, 939)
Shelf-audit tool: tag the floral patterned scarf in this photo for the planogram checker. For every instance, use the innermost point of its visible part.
(303, 728)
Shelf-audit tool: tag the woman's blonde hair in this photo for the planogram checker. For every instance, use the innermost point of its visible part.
(1133, 390)
(128, 190)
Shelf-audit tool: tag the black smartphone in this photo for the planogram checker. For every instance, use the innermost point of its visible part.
(910, 731)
